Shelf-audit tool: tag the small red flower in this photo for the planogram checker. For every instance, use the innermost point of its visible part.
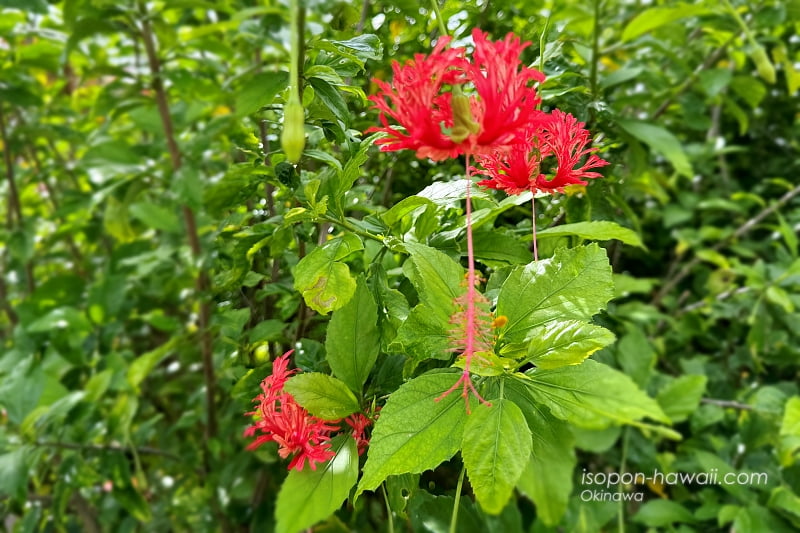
(282, 420)
(359, 422)
(440, 124)
(519, 169)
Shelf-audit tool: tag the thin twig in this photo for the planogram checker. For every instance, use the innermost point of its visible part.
(269, 188)
(51, 195)
(719, 298)
(116, 448)
(5, 302)
(14, 205)
(708, 63)
(363, 19)
(727, 403)
(86, 513)
(741, 230)
(595, 56)
(201, 281)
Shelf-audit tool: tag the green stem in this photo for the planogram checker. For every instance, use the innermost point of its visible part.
(533, 224)
(623, 465)
(595, 51)
(454, 517)
(748, 34)
(388, 508)
(350, 227)
(439, 19)
(542, 45)
(296, 43)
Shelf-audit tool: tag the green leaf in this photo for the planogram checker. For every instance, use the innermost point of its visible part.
(437, 278)
(322, 395)
(400, 489)
(34, 6)
(496, 447)
(592, 395)
(132, 501)
(680, 397)
(662, 141)
(661, 513)
(14, 473)
(145, 363)
(783, 499)
(415, 432)
(423, 335)
(496, 248)
(266, 331)
(790, 425)
(598, 230)
(353, 339)
(97, 385)
(325, 157)
(432, 514)
(21, 389)
(655, 17)
(326, 284)
(61, 318)
(110, 153)
(547, 477)
(116, 220)
(636, 356)
(565, 343)
(403, 208)
(44, 417)
(365, 46)
(445, 193)
(156, 216)
(620, 75)
(309, 496)
(757, 518)
(259, 91)
(573, 284)
(331, 98)
(352, 168)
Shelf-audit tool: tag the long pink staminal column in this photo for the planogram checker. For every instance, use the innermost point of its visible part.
(473, 337)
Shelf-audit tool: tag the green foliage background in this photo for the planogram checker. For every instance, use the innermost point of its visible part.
(152, 232)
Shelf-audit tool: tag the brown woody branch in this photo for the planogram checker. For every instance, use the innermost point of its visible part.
(202, 282)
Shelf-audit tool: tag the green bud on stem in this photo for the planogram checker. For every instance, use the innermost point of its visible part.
(764, 66)
(293, 137)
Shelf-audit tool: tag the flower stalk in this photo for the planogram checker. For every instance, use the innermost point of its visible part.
(293, 137)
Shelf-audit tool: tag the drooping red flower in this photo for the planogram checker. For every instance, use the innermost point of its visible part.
(440, 123)
(282, 420)
(359, 422)
(506, 106)
(520, 169)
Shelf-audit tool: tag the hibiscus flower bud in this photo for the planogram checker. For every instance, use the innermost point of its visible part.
(293, 137)
(463, 122)
(764, 66)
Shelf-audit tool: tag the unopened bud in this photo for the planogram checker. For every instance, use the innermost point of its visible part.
(764, 66)
(293, 137)
(463, 122)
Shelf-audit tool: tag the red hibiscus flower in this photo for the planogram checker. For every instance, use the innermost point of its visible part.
(282, 420)
(359, 422)
(439, 123)
(519, 169)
